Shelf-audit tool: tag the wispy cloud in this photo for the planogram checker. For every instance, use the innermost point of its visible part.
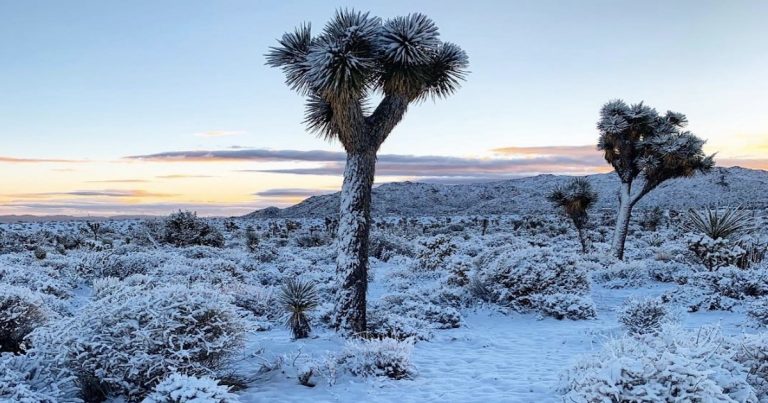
(291, 193)
(116, 193)
(82, 207)
(241, 155)
(119, 181)
(16, 160)
(220, 133)
(184, 176)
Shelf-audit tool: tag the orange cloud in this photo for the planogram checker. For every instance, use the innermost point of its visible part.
(14, 160)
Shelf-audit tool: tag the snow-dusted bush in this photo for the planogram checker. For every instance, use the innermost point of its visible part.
(179, 388)
(715, 253)
(184, 228)
(642, 316)
(668, 272)
(28, 379)
(515, 277)
(674, 366)
(752, 351)
(385, 246)
(435, 252)
(758, 310)
(734, 283)
(119, 265)
(21, 311)
(403, 315)
(565, 306)
(378, 357)
(623, 274)
(129, 340)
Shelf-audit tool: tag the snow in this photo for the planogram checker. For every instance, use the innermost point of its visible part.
(426, 280)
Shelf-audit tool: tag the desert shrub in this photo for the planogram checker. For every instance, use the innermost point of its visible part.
(514, 277)
(385, 357)
(752, 352)
(758, 310)
(642, 316)
(179, 388)
(675, 366)
(651, 219)
(384, 247)
(435, 252)
(129, 340)
(185, 229)
(565, 306)
(312, 240)
(21, 311)
(668, 272)
(734, 283)
(118, 265)
(251, 239)
(297, 298)
(420, 307)
(27, 379)
(623, 275)
(716, 253)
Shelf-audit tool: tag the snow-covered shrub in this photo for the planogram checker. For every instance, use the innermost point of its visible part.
(565, 306)
(514, 277)
(118, 265)
(715, 253)
(28, 379)
(674, 366)
(127, 341)
(185, 228)
(642, 316)
(752, 351)
(179, 388)
(378, 357)
(758, 310)
(668, 272)
(385, 246)
(623, 275)
(435, 252)
(734, 283)
(21, 311)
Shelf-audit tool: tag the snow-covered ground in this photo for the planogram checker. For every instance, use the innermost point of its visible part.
(478, 314)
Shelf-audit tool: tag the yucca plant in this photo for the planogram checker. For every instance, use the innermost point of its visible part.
(719, 223)
(575, 198)
(298, 297)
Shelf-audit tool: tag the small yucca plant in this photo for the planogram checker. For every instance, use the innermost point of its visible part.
(298, 297)
(719, 223)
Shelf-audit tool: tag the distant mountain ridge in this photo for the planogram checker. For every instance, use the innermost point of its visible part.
(722, 186)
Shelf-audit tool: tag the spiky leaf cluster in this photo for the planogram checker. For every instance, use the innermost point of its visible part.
(298, 297)
(636, 139)
(719, 223)
(356, 55)
(575, 198)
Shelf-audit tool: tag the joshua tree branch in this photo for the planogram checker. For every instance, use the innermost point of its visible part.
(386, 116)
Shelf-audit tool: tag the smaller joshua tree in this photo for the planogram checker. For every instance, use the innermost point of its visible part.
(298, 297)
(575, 198)
(645, 148)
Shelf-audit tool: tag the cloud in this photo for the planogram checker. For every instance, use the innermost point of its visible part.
(220, 133)
(262, 155)
(292, 193)
(15, 160)
(752, 163)
(119, 181)
(117, 193)
(91, 207)
(574, 151)
(183, 176)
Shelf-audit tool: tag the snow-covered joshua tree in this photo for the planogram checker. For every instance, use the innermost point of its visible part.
(640, 143)
(575, 198)
(354, 57)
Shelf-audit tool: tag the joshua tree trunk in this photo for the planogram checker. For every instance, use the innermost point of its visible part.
(353, 230)
(582, 239)
(622, 221)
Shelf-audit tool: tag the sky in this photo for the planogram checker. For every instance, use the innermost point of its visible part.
(114, 107)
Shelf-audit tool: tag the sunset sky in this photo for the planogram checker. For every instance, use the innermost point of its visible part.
(144, 107)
